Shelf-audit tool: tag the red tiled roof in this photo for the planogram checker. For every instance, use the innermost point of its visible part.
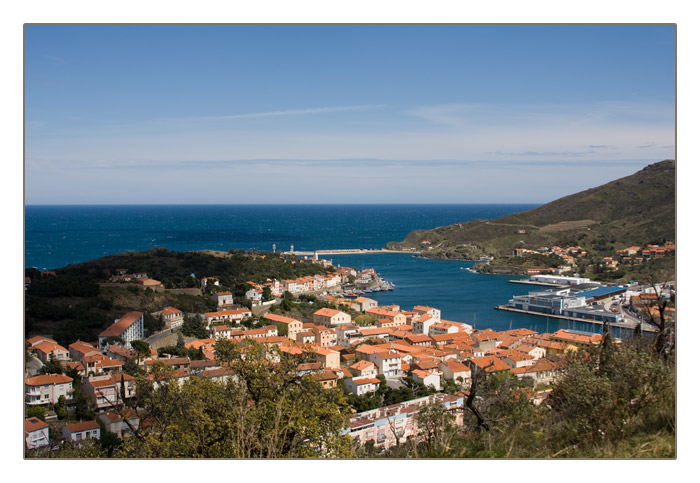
(34, 424)
(124, 322)
(84, 426)
(46, 379)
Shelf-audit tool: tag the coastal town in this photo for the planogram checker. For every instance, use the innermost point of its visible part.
(82, 391)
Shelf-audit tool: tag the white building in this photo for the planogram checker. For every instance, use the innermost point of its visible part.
(129, 327)
(36, 433)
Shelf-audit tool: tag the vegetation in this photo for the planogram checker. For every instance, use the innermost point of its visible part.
(77, 304)
(265, 411)
(634, 210)
(618, 402)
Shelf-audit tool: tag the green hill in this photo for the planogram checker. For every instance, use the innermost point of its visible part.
(634, 210)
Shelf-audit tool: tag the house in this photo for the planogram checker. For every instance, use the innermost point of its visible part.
(328, 357)
(331, 317)
(221, 374)
(44, 351)
(440, 328)
(149, 283)
(327, 379)
(346, 333)
(363, 369)
(219, 332)
(488, 363)
(382, 313)
(366, 303)
(285, 325)
(39, 338)
(391, 425)
(177, 363)
(576, 338)
(388, 363)
(76, 433)
(422, 324)
(80, 349)
(223, 298)
(47, 388)
(172, 317)
(36, 433)
(361, 385)
(255, 295)
(308, 368)
(456, 371)
(120, 353)
(542, 371)
(422, 309)
(129, 327)
(429, 378)
(74, 365)
(535, 351)
(324, 336)
(115, 422)
(227, 316)
(106, 391)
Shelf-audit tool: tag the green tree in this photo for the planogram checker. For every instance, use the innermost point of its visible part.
(265, 411)
(142, 349)
(53, 366)
(37, 412)
(114, 339)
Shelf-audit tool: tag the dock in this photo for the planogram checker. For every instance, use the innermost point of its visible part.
(347, 251)
(530, 282)
(624, 325)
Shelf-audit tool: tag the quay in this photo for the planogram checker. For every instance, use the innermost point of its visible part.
(531, 282)
(347, 251)
(624, 325)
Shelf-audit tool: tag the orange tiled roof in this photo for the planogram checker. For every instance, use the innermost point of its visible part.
(46, 379)
(34, 424)
(124, 322)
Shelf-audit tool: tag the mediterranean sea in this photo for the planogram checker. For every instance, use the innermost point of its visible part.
(56, 236)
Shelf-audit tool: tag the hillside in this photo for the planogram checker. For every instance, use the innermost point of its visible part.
(77, 303)
(634, 210)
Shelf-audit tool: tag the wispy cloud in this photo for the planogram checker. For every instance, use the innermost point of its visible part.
(287, 112)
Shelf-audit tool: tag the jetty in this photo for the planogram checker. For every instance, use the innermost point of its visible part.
(545, 284)
(346, 251)
(627, 324)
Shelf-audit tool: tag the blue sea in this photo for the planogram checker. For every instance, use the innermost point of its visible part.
(56, 236)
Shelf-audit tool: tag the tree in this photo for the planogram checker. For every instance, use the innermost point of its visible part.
(114, 339)
(264, 411)
(195, 326)
(142, 349)
(267, 294)
(53, 366)
(37, 412)
(435, 429)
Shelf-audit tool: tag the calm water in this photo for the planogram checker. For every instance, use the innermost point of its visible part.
(56, 236)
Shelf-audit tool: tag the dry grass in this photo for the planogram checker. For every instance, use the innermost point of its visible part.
(567, 225)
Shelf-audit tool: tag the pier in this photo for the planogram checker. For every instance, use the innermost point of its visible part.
(624, 325)
(346, 251)
(544, 284)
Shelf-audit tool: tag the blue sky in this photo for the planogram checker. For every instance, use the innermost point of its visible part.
(342, 114)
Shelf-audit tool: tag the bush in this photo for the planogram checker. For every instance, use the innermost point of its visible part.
(37, 412)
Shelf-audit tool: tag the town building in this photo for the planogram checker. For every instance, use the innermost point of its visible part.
(129, 327)
(47, 389)
(76, 433)
(36, 433)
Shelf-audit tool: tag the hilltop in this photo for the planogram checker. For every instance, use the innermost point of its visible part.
(634, 210)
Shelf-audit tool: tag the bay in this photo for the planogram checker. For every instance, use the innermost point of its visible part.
(56, 236)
